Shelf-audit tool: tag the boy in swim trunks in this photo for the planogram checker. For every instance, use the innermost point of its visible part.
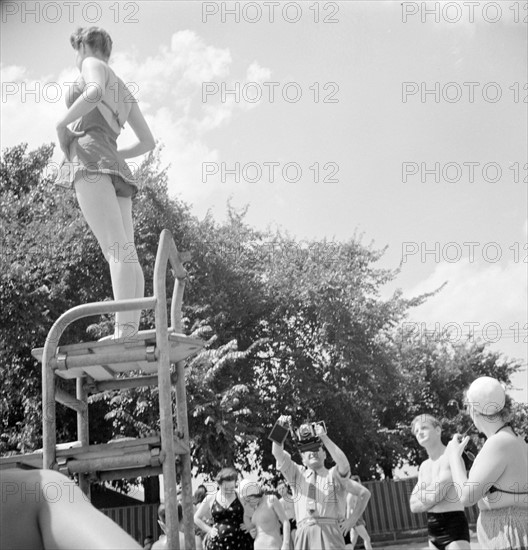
(435, 492)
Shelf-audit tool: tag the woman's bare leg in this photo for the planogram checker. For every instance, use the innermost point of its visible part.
(110, 219)
(125, 205)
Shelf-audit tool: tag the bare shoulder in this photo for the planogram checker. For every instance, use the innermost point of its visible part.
(160, 544)
(501, 443)
(40, 477)
(425, 471)
(206, 503)
(94, 64)
(444, 461)
(425, 466)
(95, 71)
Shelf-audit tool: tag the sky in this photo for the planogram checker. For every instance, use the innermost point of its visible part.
(402, 122)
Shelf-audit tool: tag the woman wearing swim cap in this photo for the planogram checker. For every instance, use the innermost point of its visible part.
(498, 479)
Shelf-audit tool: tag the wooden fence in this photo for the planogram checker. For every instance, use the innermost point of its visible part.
(388, 516)
(138, 521)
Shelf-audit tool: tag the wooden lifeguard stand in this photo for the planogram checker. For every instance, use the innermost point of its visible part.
(100, 366)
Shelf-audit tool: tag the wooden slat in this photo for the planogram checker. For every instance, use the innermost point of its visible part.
(126, 383)
(22, 462)
(105, 360)
(136, 459)
(112, 449)
(110, 475)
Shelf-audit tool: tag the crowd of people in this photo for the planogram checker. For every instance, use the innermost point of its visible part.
(312, 507)
(315, 508)
(308, 509)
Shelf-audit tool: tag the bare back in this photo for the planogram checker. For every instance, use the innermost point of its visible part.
(514, 478)
(116, 99)
(268, 526)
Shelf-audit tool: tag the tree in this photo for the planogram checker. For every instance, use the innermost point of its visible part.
(221, 303)
(436, 370)
(290, 327)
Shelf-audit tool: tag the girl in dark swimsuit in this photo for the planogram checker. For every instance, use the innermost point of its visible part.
(227, 512)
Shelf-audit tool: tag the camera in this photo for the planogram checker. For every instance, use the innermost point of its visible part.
(306, 437)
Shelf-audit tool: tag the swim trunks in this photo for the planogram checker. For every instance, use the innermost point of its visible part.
(447, 527)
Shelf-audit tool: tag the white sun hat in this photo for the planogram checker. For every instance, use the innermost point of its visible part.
(248, 488)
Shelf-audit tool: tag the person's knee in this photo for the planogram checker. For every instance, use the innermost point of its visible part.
(118, 251)
(57, 487)
(139, 272)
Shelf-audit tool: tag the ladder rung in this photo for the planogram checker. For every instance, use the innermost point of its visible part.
(125, 383)
(110, 450)
(110, 475)
(130, 460)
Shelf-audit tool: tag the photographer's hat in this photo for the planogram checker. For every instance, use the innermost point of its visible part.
(486, 395)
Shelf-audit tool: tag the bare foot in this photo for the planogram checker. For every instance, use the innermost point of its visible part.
(123, 333)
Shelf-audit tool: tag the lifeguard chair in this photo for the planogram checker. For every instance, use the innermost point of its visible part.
(143, 360)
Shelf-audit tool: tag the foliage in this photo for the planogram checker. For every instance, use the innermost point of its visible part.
(436, 370)
(290, 327)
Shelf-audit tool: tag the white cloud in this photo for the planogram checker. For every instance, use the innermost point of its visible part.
(475, 290)
(168, 86)
(31, 106)
(256, 73)
(493, 295)
(12, 73)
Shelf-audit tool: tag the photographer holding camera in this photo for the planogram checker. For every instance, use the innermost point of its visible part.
(319, 494)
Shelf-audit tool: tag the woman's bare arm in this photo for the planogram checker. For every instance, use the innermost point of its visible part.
(140, 127)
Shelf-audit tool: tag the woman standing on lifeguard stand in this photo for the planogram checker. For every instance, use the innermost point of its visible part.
(99, 104)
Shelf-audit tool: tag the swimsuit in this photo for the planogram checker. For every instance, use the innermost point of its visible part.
(447, 527)
(503, 528)
(227, 521)
(95, 152)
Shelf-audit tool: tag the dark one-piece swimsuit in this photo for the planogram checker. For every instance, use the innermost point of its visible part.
(228, 521)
